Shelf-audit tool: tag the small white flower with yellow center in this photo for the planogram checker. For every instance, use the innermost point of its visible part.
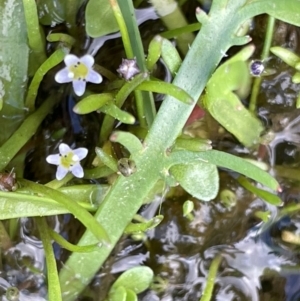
(68, 160)
(78, 71)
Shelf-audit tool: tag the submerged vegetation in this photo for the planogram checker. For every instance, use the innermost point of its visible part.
(133, 122)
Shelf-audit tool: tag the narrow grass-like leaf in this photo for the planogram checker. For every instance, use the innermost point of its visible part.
(92, 103)
(27, 129)
(61, 37)
(227, 161)
(134, 48)
(55, 58)
(35, 38)
(131, 142)
(21, 204)
(286, 55)
(70, 247)
(166, 88)
(121, 96)
(211, 279)
(54, 291)
(192, 144)
(154, 52)
(84, 216)
(129, 87)
(265, 195)
(106, 159)
(112, 110)
(144, 226)
(170, 56)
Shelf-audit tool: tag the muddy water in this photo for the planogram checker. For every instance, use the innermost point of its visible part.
(257, 264)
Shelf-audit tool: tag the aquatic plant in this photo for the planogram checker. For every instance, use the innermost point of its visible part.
(157, 151)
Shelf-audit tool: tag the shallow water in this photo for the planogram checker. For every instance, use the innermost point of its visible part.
(256, 264)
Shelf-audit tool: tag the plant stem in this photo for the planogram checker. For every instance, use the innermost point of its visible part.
(144, 100)
(54, 291)
(26, 130)
(265, 53)
(211, 278)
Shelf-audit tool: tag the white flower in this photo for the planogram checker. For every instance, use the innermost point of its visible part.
(68, 160)
(78, 71)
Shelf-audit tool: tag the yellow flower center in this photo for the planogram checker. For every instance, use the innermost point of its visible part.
(67, 160)
(78, 71)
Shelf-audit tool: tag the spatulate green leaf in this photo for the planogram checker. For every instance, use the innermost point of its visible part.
(200, 179)
(136, 279)
(100, 19)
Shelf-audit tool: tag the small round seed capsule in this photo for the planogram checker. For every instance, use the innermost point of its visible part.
(126, 167)
(256, 68)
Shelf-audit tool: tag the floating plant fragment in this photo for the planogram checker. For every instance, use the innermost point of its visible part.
(68, 160)
(78, 71)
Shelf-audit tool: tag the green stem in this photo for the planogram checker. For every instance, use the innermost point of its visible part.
(211, 278)
(123, 29)
(35, 39)
(27, 129)
(70, 247)
(54, 291)
(52, 61)
(144, 100)
(265, 53)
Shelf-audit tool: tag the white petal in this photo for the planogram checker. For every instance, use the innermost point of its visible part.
(71, 59)
(77, 170)
(80, 152)
(88, 60)
(62, 76)
(53, 159)
(94, 77)
(64, 148)
(79, 87)
(61, 172)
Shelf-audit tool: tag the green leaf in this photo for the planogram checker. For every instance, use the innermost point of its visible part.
(131, 295)
(92, 103)
(287, 11)
(131, 142)
(265, 195)
(137, 279)
(170, 56)
(16, 204)
(223, 103)
(158, 86)
(119, 294)
(51, 11)
(199, 179)
(144, 226)
(286, 55)
(111, 109)
(188, 207)
(227, 161)
(100, 19)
